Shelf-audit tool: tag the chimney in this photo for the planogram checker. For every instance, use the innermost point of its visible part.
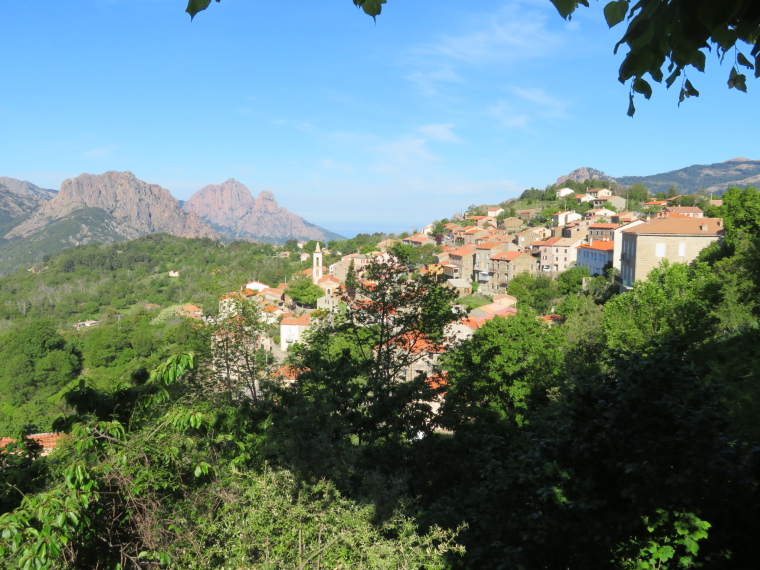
(703, 227)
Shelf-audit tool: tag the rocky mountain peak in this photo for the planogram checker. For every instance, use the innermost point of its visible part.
(221, 205)
(584, 173)
(136, 207)
(231, 209)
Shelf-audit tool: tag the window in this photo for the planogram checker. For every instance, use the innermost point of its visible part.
(681, 250)
(659, 250)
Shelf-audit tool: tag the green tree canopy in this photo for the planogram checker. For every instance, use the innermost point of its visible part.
(304, 292)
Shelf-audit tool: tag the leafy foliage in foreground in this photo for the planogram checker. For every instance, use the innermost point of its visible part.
(177, 480)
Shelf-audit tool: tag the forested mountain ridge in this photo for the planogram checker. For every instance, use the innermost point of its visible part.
(714, 178)
(232, 210)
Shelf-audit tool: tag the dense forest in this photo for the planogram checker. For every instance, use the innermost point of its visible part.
(625, 436)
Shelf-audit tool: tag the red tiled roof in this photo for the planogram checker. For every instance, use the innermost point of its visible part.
(684, 209)
(488, 245)
(550, 241)
(505, 255)
(462, 251)
(301, 321)
(601, 226)
(416, 343)
(288, 372)
(599, 245)
(679, 226)
(552, 318)
(47, 440)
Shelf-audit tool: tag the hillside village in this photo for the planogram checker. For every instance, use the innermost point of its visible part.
(483, 253)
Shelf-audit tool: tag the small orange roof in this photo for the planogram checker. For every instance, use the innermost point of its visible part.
(599, 245)
(550, 241)
(505, 255)
(552, 318)
(301, 321)
(488, 245)
(416, 342)
(603, 226)
(462, 251)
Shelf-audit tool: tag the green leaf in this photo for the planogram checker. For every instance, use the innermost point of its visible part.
(631, 107)
(742, 60)
(615, 12)
(666, 553)
(672, 77)
(567, 7)
(195, 6)
(737, 80)
(370, 7)
(698, 60)
(690, 90)
(642, 86)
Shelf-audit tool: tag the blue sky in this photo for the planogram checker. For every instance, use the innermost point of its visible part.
(353, 124)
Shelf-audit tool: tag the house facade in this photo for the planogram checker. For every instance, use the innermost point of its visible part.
(508, 264)
(292, 330)
(596, 256)
(557, 254)
(679, 240)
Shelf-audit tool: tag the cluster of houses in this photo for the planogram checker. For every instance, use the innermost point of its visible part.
(492, 252)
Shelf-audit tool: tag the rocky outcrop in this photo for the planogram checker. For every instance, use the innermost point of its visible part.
(583, 174)
(139, 208)
(231, 209)
(221, 205)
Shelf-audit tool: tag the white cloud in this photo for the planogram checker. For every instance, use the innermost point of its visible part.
(407, 153)
(97, 153)
(507, 116)
(427, 80)
(440, 132)
(545, 105)
(525, 106)
(514, 34)
(330, 164)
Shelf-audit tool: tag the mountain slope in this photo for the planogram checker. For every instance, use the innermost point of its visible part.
(713, 177)
(231, 209)
(24, 188)
(14, 206)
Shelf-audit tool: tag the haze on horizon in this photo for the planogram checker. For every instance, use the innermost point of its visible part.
(354, 125)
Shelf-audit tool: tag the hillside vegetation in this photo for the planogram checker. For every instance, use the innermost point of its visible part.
(623, 436)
